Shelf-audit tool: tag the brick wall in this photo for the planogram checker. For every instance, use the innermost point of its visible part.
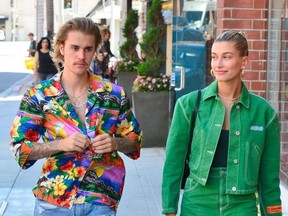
(250, 17)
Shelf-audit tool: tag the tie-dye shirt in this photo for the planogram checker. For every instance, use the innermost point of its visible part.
(69, 178)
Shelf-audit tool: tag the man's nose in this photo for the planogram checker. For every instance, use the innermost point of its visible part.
(81, 54)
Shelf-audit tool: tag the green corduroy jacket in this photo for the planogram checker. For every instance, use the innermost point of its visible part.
(254, 147)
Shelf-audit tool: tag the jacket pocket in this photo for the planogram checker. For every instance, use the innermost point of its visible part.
(252, 162)
(190, 185)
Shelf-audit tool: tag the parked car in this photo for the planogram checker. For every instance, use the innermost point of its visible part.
(201, 15)
(2, 35)
(192, 57)
(192, 34)
(179, 23)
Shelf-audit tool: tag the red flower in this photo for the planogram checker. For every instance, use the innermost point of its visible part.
(67, 167)
(32, 135)
(57, 85)
(93, 118)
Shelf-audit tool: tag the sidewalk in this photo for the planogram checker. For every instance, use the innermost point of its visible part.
(142, 191)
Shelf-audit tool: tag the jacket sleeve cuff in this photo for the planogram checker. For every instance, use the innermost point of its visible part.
(169, 211)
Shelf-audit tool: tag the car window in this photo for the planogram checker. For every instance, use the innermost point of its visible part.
(192, 35)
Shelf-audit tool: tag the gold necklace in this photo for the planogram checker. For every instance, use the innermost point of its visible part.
(228, 99)
(72, 96)
(77, 103)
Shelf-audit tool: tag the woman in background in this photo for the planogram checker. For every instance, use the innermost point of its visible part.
(44, 66)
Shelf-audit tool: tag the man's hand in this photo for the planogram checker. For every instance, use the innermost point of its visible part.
(75, 142)
(103, 143)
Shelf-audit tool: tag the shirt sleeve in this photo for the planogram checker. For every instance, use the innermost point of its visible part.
(128, 126)
(26, 129)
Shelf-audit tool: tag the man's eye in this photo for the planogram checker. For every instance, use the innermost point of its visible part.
(88, 49)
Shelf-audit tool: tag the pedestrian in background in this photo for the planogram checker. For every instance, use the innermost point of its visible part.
(109, 58)
(44, 67)
(235, 151)
(32, 46)
(99, 67)
(105, 48)
(84, 122)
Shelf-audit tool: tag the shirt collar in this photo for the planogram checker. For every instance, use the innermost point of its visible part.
(53, 87)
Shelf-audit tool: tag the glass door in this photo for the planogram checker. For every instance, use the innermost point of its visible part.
(193, 23)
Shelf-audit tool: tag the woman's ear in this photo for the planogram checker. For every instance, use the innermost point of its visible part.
(244, 62)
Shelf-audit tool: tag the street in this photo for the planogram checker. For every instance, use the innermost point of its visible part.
(12, 69)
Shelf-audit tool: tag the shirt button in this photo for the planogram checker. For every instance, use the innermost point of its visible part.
(233, 188)
(237, 133)
(235, 161)
(237, 107)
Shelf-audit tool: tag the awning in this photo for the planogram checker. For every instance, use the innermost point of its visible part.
(3, 18)
(105, 10)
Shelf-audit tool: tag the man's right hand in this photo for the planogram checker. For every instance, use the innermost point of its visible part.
(75, 142)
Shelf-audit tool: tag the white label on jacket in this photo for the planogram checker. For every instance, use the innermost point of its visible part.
(256, 128)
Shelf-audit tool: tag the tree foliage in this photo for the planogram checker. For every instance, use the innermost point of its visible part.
(152, 40)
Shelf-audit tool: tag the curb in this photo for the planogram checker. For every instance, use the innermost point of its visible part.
(18, 88)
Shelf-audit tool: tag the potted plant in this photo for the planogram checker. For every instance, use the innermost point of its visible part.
(127, 69)
(150, 95)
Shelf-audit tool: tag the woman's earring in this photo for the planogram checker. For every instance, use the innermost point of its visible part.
(242, 72)
(212, 72)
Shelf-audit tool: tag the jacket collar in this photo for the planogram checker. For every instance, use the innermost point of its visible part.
(211, 91)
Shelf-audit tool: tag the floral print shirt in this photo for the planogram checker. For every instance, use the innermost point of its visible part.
(69, 178)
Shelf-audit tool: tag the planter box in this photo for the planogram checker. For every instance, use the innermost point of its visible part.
(125, 79)
(152, 112)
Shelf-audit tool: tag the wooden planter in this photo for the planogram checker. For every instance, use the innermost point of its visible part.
(152, 112)
(125, 79)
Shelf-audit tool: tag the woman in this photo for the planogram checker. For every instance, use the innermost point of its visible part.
(98, 66)
(106, 44)
(235, 148)
(44, 67)
(109, 57)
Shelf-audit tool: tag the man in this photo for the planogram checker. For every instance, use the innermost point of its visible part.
(32, 46)
(83, 122)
